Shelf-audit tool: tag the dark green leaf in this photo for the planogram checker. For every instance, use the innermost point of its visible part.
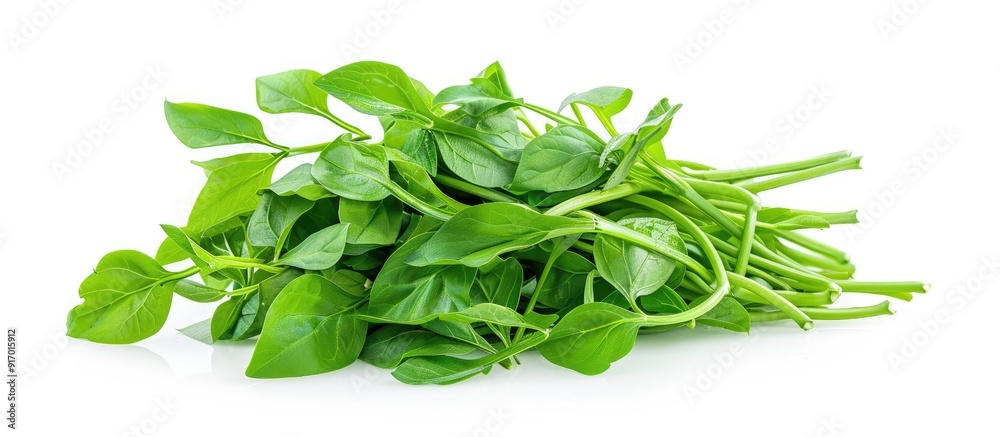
(502, 283)
(225, 316)
(636, 271)
(477, 234)
(591, 337)
(403, 293)
(271, 223)
(663, 301)
(353, 170)
(255, 308)
(371, 224)
(392, 344)
(564, 158)
(449, 370)
(310, 329)
(319, 251)
(482, 151)
(421, 146)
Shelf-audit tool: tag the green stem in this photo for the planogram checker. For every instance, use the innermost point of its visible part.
(768, 170)
(819, 262)
(774, 299)
(877, 287)
(418, 203)
(697, 166)
(474, 189)
(881, 309)
(592, 198)
(243, 291)
(802, 175)
(896, 290)
(818, 247)
(607, 123)
(308, 149)
(752, 205)
(542, 279)
(248, 263)
(588, 288)
(578, 114)
(361, 135)
(689, 191)
(778, 268)
(523, 118)
(176, 276)
(549, 114)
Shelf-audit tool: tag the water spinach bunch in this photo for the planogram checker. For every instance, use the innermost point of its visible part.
(475, 228)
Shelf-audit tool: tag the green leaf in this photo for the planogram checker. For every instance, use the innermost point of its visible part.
(373, 88)
(449, 370)
(490, 313)
(393, 344)
(502, 284)
(477, 98)
(310, 329)
(417, 182)
(648, 133)
(292, 91)
(255, 308)
(658, 120)
(484, 151)
(126, 299)
(271, 223)
(422, 148)
(197, 292)
(169, 253)
(564, 158)
(567, 278)
(462, 332)
(225, 316)
(591, 337)
(495, 74)
(609, 100)
(488, 92)
(319, 251)
(201, 331)
(199, 126)
(663, 301)
(728, 314)
(203, 259)
(233, 188)
(353, 170)
(351, 282)
(403, 293)
(299, 182)
(371, 224)
(634, 270)
(477, 234)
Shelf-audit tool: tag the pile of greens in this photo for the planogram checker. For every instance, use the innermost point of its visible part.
(469, 234)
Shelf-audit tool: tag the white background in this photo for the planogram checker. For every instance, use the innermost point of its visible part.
(890, 82)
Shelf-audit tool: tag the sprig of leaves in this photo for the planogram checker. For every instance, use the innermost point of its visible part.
(466, 235)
